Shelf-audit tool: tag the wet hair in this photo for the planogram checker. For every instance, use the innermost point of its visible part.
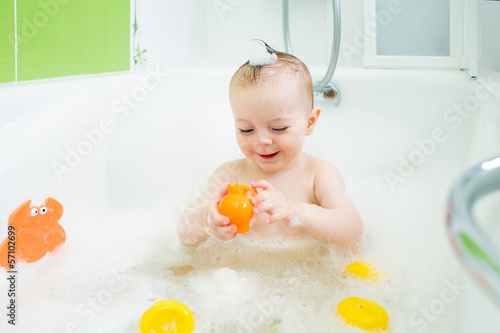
(287, 64)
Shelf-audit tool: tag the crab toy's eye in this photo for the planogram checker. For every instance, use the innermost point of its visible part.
(43, 210)
(34, 211)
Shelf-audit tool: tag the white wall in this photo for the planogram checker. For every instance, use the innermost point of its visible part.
(217, 32)
(172, 32)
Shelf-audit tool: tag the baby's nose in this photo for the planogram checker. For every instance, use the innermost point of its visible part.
(263, 138)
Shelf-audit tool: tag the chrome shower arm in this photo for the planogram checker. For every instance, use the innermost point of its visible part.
(320, 86)
(324, 85)
(286, 28)
(474, 248)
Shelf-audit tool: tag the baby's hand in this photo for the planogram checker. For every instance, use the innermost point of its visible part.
(217, 225)
(273, 202)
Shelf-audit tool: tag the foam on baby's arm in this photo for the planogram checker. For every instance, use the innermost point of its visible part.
(295, 222)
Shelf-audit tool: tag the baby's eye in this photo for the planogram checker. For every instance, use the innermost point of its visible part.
(280, 129)
(245, 130)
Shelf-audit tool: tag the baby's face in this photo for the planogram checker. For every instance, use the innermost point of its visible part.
(271, 120)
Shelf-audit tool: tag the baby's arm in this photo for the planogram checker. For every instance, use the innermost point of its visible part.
(334, 222)
(202, 219)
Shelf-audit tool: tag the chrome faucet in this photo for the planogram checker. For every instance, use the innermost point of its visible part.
(475, 249)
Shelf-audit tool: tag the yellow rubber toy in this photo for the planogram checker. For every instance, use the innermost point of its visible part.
(363, 313)
(167, 316)
(363, 270)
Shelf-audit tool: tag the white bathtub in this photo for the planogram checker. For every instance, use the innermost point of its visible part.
(126, 153)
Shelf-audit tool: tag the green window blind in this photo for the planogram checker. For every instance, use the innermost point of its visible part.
(71, 37)
(7, 49)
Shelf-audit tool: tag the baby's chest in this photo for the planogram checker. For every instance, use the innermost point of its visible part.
(298, 188)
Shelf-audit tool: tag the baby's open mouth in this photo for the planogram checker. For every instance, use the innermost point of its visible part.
(269, 156)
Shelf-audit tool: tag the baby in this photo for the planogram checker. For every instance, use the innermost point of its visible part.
(272, 103)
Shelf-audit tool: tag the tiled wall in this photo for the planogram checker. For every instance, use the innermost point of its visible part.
(490, 34)
(7, 53)
(62, 38)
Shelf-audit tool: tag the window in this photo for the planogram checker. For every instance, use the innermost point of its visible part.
(52, 38)
(407, 33)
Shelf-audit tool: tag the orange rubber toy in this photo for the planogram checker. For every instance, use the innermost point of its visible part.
(237, 206)
(32, 232)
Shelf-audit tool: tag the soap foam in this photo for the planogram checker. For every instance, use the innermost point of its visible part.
(295, 222)
(259, 56)
(246, 285)
(227, 281)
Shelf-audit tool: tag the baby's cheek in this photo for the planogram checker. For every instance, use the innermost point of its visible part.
(294, 141)
(245, 146)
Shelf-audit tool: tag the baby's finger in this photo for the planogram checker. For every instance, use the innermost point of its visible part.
(225, 233)
(253, 191)
(261, 197)
(215, 218)
(222, 194)
(264, 206)
(263, 184)
(275, 217)
(254, 219)
(220, 220)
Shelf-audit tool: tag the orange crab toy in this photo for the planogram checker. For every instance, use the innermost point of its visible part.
(237, 206)
(33, 231)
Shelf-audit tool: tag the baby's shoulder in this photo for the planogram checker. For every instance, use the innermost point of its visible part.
(328, 182)
(321, 168)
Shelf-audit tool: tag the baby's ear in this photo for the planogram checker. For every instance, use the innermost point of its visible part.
(312, 119)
